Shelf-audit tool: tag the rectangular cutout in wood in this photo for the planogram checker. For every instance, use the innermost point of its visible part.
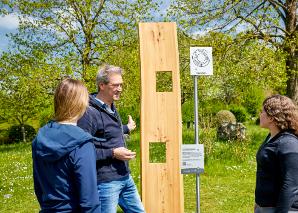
(157, 152)
(164, 82)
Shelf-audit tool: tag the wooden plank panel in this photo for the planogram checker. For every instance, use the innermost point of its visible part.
(162, 184)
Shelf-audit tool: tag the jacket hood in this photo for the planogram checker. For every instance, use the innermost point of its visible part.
(55, 140)
(93, 102)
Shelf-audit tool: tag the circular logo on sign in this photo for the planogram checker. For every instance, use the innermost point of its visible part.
(200, 58)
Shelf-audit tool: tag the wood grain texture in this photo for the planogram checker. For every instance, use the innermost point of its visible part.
(162, 183)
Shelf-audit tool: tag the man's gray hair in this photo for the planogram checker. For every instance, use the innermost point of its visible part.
(104, 72)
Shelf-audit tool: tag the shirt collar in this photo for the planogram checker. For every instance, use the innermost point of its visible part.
(107, 107)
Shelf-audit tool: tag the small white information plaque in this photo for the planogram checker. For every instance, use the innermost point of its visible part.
(192, 159)
(201, 62)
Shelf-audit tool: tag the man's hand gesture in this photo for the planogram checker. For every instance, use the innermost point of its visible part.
(131, 123)
(121, 153)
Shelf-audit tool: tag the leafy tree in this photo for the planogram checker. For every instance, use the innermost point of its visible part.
(26, 88)
(3, 3)
(127, 57)
(238, 66)
(77, 36)
(272, 21)
(79, 31)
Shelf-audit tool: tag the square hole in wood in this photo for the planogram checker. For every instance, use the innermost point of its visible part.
(164, 81)
(157, 152)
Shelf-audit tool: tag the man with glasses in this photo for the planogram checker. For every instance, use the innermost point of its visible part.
(114, 182)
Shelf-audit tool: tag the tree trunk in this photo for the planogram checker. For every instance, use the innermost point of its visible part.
(292, 72)
(23, 133)
(291, 48)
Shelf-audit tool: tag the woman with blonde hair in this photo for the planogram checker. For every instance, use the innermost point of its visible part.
(64, 159)
(277, 158)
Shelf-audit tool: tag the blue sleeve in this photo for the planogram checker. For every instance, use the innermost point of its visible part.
(125, 129)
(88, 123)
(288, 158)
(37, 186)
(103, 154)
(84, 160)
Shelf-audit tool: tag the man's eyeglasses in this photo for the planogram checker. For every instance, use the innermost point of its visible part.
(115, 85)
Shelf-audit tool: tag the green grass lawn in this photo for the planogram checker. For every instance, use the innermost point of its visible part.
(16, 183)
(227, 185)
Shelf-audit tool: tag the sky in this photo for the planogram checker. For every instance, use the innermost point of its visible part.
(8, 24)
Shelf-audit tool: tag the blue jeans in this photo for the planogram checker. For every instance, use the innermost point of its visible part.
(259, 209)
(122, 192)
(268, 210)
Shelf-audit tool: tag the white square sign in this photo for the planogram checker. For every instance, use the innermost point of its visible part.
(192, 159)
(201, 62)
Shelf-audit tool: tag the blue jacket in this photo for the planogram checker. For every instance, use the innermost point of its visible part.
(108, 128)
(64, 169)
(277, 173)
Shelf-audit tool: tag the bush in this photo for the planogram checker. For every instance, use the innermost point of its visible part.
(4, 136)
(2, 119)
(208, 111)
(15, 133)
(253, 100)
(240, 113)
(225, 116)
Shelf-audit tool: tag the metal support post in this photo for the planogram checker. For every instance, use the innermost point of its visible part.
(196, 100)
